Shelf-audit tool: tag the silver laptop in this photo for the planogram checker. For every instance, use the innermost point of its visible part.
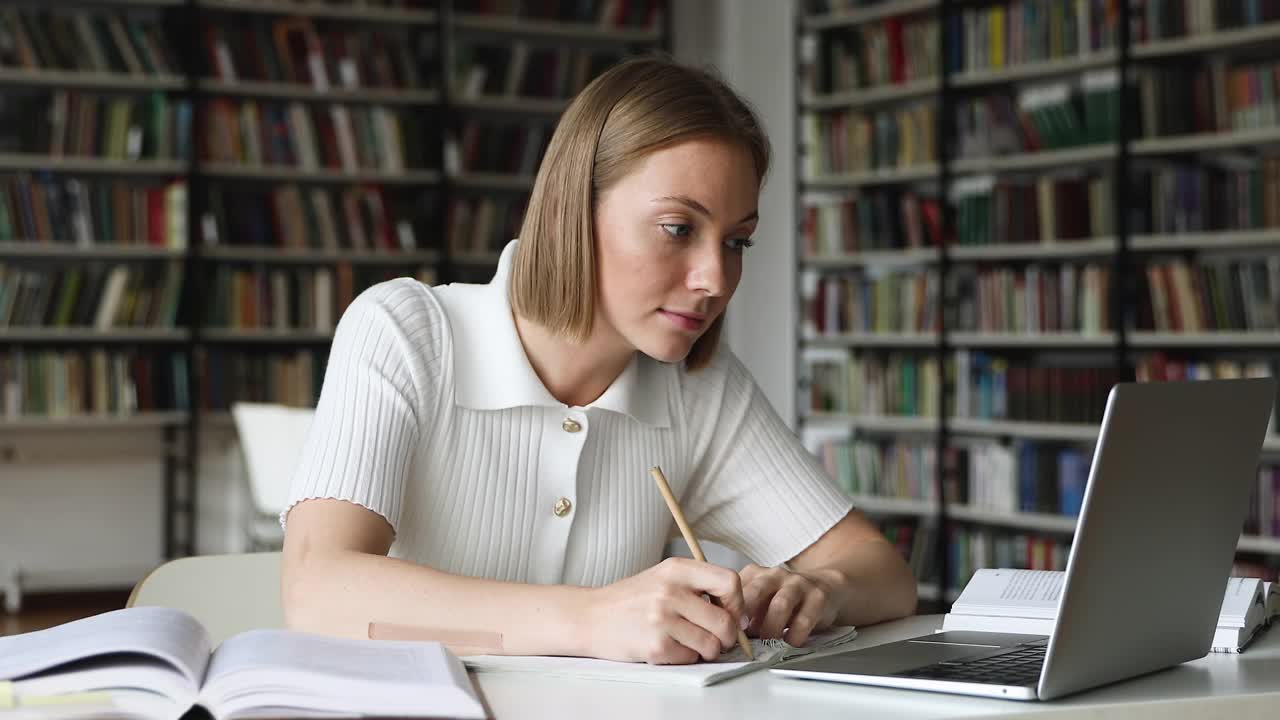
(1166, 499)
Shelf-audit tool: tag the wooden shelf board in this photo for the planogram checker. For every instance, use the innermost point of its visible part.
(323, 10)
(512, 25)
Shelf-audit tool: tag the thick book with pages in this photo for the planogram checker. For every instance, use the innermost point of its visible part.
(151, 662)
(731, 663)
(1026, 601)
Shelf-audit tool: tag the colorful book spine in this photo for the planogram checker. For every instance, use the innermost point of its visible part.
(850, 142)
(992, 387)
(898, 384)
(98, 296)
(228, 377)
(72, 383)
(870, 221)
(838, 303)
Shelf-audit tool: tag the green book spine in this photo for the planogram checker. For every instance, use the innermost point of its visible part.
(67, 299)
(6, 223)
(910, 406)
(36, 399)
(144, 51)
(181, 397)
(1254, 180)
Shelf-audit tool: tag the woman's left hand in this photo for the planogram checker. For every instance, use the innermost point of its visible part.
(778, 599)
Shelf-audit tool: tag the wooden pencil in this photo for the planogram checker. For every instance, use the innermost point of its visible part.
(692, 541)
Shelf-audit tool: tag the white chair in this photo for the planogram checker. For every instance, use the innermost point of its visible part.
(271, 438)
(228, 594)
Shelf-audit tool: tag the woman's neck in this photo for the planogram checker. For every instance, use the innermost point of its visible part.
(575, 374)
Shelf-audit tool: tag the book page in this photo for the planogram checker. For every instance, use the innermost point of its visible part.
(1011, 593)
(171, 636)
(731, 663)
(287, 669)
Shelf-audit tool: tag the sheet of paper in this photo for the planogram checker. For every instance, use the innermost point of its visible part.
(730, 664)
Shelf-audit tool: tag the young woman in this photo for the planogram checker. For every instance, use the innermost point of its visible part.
(479, 457)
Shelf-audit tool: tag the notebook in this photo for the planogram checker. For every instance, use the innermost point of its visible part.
(731, 663)
(152, 662)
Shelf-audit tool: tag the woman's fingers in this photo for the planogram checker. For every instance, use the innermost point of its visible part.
(807, 617)
(788, 598)
(720, 583)
(758, 587)
(698, 640)
(715, 620)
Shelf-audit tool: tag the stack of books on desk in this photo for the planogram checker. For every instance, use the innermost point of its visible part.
(1026, 601)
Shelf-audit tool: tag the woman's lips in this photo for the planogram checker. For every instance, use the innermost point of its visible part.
(684, 321)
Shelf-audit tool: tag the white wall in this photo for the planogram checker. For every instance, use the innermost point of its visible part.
(96, 521)
(752, 43)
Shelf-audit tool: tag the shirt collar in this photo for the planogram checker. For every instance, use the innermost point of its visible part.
(492, 372)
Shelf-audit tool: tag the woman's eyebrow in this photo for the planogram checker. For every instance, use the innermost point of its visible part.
(700, 208)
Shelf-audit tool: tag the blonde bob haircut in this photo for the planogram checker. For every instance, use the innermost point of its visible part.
(633, 109)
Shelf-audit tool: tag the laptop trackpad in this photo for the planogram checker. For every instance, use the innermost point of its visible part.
(905, 655)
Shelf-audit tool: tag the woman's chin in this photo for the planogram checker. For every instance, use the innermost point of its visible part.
(667, 351)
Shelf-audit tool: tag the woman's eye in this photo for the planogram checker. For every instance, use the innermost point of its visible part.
(739, 244)
(677, 229)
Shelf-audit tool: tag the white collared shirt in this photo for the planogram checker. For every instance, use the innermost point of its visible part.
(431, 416)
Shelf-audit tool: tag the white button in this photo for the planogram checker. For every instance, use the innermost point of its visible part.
(562, 507)
(570, 425)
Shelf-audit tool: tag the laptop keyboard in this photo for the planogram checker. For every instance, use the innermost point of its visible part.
(1019, 666)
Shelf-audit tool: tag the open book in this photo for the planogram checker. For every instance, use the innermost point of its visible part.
(731, 663)
(1026, 601)
(152, 662)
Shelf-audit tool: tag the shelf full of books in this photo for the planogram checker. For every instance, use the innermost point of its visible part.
(238, 180)
(192, 191)
(959, 175)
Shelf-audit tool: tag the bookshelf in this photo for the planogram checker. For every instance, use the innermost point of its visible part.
(91, 336)
(295, 149)
(507, 79)
(1044, 291)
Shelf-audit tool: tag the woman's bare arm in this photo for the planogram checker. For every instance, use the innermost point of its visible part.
(336, 579)
(872, 581)
(849, 576)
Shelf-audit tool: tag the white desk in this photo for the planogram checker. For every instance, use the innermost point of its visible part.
(1218, 686)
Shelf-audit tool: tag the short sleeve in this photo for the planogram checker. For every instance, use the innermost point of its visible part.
(754, 486)
(376, 402)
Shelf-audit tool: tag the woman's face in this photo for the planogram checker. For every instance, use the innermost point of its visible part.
(670, 239)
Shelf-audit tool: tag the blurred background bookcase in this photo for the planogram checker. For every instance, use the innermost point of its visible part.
(191, 191)
(1006, 206)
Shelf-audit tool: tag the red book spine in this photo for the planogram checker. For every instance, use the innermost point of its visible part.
(897, 57)
(155, 217)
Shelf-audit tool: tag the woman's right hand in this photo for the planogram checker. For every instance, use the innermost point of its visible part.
(660, 616)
